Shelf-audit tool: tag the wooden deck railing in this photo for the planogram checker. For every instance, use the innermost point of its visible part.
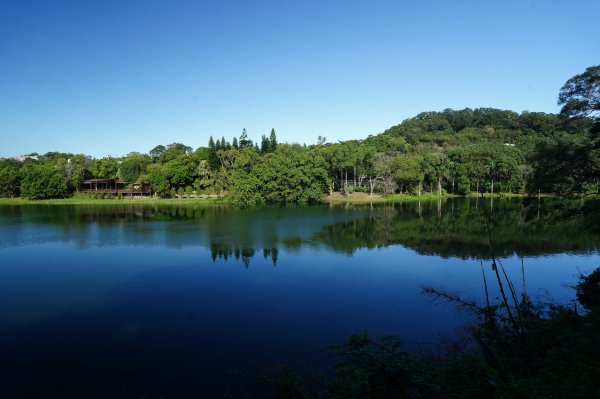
(115, 191)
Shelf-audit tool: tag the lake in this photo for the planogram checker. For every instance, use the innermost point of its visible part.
(114, 301)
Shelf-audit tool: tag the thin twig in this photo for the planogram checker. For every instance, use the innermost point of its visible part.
(511, 288)
(495, 269)
(487, 295)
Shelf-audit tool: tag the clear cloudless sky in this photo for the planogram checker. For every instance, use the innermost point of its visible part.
(109, 77)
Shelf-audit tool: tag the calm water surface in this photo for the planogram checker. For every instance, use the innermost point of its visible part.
(120, 301)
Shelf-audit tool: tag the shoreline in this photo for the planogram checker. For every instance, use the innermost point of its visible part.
(335, 198)
(365, 198)
(113, 201)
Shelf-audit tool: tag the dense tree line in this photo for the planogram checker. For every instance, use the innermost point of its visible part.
(481, 150)
(452, 151)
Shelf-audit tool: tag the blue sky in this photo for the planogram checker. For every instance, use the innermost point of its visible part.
(110, 77)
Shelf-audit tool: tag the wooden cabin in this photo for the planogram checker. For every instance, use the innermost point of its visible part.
(115, 187)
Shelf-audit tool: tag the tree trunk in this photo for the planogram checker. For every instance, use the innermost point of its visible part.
(346, 180)
(440, 186)
(492, 186)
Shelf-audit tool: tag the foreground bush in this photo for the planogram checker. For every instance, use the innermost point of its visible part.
(544, 351)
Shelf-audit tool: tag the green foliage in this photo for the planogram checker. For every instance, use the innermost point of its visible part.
(10, 180)
(173, 151)
(565, 166)
(580, 95)
(588, 291)
(264, 145)
(158, 180)
(408, 173)
(272, 141)
(246, 191)
(105, 168)
(134, 165)
(201, 154)
(369, 368)
(244, 140)
(268, 144)
(569, 164)
(75, 169)
(212, 159)
(180, 171)
(292, 174)
(157, 151)
(41, 181)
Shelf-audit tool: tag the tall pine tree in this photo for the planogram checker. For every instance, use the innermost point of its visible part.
(213, 160)
(244, 140)
(272, 141)
(265, 145)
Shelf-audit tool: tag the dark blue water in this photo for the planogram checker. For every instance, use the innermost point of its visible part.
(107, 301)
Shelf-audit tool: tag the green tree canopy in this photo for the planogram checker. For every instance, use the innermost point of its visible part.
(41, 181)
(580, 95)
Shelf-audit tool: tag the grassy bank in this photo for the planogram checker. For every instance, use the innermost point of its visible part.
(113, 201)
(396, 198)
(335, 198)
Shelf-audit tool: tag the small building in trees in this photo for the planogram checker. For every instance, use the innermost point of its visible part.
(115, 187)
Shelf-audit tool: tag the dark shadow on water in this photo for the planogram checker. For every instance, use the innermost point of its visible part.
(152, 336)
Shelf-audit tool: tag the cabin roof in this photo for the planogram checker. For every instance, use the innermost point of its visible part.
(103, 181)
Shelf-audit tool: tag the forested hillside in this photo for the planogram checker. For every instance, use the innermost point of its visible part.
(458, 152)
